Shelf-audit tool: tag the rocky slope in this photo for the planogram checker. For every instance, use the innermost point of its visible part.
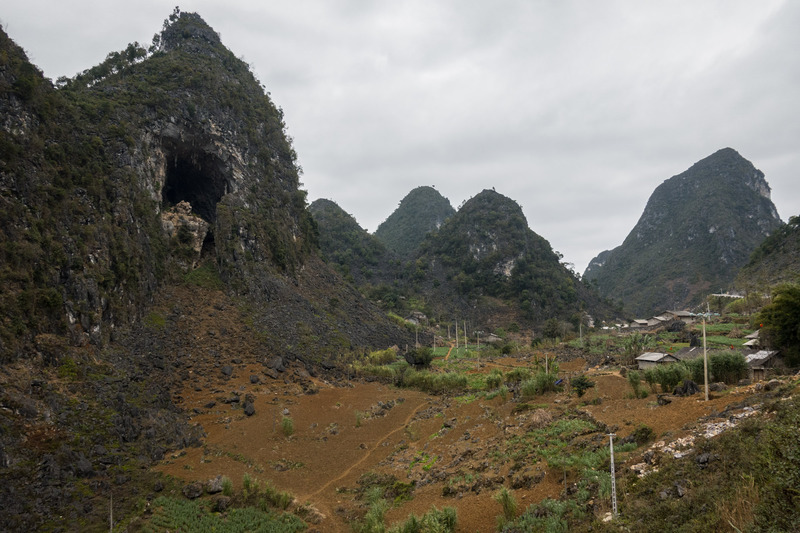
(697, 230)
(155, 169)
(776, 260)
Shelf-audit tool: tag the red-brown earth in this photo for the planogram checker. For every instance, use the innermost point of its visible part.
(345, 429)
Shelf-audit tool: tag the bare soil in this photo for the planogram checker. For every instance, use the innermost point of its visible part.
(343, 430)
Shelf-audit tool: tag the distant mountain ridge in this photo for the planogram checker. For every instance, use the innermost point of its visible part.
(421, 211)
(486, 254)
(697, 229)
(483, 262)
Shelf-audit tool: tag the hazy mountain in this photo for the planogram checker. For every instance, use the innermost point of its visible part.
(485, 260)
(420, 212)
(697, 229)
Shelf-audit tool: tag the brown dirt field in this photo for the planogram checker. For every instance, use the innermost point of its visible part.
(345, 430)
(331, 447)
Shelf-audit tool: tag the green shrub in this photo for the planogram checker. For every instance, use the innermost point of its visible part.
(540, 383)
(420, 357)
(670, 376)
(509, 504)
(634, 379)
(494, 379)
(728, 366)
(517, 375)
(287, 426)
(227, 486)
(581, 384)
(382, 357)
(436, 383)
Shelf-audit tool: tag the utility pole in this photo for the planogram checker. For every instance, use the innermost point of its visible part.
(456, 335)
(705, 358)
(613, 476)
(465, 335)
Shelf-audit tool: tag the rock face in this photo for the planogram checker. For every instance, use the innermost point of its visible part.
(697, 230)
(179, 223)
(192, 167)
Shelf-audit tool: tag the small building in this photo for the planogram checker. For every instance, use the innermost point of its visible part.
(492, 338)
(686, 317)
(653, 359)
(753, 339)
(691, 352)
(761, 362)
(416, 318)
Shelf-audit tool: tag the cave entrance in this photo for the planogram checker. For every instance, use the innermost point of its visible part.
(195, 176)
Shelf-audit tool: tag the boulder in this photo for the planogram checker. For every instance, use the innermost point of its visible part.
(193, 490)
(688, 388)
(214, 485)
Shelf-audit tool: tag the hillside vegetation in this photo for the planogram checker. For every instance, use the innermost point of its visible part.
(697, 230)
(422, 211)
(776, 260)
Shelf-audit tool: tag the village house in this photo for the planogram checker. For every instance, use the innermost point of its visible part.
(762, 363)
(653, 359)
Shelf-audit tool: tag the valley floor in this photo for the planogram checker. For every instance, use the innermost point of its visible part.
(457, 451)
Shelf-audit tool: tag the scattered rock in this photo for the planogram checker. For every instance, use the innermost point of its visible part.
(227, 370)
(688, 388)
(717, 387)
(193, 490)
(249, 404)
(772, 385)
(214, 485)
(254, 379)
(275, 363)
(220, 503)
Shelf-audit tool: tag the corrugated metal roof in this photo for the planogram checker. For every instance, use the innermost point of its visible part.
(760, 357)
(654, 357)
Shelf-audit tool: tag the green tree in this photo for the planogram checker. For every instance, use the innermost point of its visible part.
(781, 322)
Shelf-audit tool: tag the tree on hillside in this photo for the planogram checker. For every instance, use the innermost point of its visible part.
(781, 322)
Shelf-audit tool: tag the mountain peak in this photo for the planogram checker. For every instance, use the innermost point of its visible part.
(697, 229)
(188, 31)
(422, 210)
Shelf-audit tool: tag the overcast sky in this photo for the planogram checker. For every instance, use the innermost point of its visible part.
(577, 110)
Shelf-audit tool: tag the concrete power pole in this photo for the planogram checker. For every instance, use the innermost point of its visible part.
(613, 477)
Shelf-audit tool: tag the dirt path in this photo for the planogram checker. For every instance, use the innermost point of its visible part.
(380, 443)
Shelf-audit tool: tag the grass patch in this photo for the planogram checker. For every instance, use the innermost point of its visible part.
(205, 276)
(173, 514)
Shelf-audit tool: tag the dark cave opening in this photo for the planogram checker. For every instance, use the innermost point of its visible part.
(208, 245)
(197, 177)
